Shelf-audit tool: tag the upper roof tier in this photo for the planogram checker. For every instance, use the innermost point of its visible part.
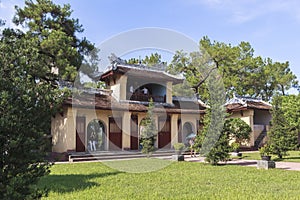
(242, 103)
(119, 66)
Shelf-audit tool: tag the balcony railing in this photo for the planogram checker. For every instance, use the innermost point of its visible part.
(145, 97)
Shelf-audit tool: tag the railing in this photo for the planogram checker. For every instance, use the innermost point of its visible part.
(145, 97)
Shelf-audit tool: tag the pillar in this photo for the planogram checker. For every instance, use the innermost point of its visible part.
(126, 130)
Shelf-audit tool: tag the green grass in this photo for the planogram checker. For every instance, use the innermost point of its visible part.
(294, 156)
(178, 180)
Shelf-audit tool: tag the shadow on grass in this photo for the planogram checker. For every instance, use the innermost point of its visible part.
(72, 182)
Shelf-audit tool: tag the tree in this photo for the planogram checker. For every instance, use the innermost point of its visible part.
(242, 73)
(29, 91)
(149, 131)
(290, 107)
(233, 129)
(152, 60)
(211, 141)
(282, 137)
(237, 130)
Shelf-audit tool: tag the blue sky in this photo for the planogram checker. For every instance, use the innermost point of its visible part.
(271, 26)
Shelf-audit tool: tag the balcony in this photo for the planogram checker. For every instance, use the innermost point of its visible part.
(147, 97)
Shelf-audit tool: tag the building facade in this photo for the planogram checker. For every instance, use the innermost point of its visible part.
(112, 119)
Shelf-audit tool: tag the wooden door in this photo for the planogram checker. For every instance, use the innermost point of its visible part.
(80, 134)
(134, 138)
(115, 134)
(164, 135)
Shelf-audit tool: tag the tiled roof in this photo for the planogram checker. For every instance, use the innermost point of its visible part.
(243, 103)
(140, 72)
(107, 102)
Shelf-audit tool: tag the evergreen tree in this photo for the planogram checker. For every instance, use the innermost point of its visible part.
(211, 141)
(149, 132)
(282, 137)
(29, 91)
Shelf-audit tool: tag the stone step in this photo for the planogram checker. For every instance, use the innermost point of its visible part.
(75, 157)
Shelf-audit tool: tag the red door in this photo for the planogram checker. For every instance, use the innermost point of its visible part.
(115, 134)
(134, 140)
(164, 134)
(80, 134)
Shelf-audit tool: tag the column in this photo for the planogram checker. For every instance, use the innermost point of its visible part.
(126, 130)
(174, 129)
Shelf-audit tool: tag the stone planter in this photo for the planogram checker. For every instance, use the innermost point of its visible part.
(264, 164)
(178, 157)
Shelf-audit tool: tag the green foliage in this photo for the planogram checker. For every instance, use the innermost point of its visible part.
(233, 129)
(212, 140)
(152, 60)
(290, 107)
(52, 33)
(242, 73)
(265, 150)
(235, 146)
(220, 151)
(179, 146)
(29, 91)
(237, 130)
(149, 131)
(282, 137)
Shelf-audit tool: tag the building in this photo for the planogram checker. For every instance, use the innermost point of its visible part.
(256, 113)
(111, 120)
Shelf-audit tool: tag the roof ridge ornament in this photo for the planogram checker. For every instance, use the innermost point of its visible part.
(115, 60)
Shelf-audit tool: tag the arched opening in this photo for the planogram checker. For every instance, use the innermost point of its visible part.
(141, 129)
(187, 130)
(139, 91)
(96, 136)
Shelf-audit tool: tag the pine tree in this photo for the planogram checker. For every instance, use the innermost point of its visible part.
(149, 132)
(282, 138)
(29, 91)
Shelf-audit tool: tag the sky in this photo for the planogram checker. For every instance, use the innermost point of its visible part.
(271, 26)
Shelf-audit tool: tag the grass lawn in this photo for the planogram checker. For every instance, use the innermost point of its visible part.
(294, 156)
(178, 180)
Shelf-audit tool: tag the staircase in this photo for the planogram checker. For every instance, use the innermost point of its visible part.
(108, 155)
(260, 138)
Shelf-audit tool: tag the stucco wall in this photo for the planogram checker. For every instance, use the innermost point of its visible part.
(62, 127)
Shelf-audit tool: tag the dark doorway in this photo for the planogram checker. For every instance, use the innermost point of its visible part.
(115, 134)
(80, 134)
(164, 134)
(134, 138)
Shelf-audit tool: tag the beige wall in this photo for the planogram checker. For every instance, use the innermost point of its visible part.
(119, 88)
(169, 92)
(63, 127)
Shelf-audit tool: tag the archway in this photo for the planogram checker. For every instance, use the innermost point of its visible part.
(141, 129)
(96, 135)
(187, 129)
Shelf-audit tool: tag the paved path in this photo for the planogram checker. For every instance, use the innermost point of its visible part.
(251, 163)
